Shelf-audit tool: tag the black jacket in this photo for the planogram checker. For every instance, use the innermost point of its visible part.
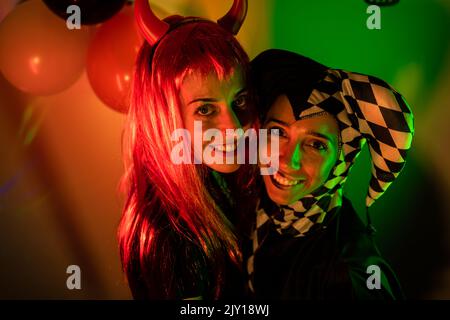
(328, 263)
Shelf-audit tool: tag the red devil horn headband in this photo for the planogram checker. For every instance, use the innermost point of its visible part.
(154, 28)
(234, 18)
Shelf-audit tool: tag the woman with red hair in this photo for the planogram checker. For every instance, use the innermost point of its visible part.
(177, 235)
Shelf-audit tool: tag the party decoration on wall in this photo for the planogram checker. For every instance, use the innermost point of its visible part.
(92, 11)
(32, 118)
(111, 56)
(38, 53)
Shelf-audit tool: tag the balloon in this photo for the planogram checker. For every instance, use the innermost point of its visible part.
(38, 53)
(111, 56)
(92, 11)
(5, 7)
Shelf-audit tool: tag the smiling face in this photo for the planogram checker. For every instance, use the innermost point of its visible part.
(218, 104)
(308, 150)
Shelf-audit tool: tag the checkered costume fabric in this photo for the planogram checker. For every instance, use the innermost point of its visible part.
(368, 110)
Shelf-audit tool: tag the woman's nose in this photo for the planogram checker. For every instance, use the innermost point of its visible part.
(228, 119)
(290, 156)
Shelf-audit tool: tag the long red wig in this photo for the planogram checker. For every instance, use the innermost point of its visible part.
(165, 201)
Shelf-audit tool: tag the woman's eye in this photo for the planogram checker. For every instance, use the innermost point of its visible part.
(277, 131)
(240, 102)
(205, 110)
(319, 145)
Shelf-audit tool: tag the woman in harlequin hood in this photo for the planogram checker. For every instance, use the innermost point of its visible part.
(308, 241)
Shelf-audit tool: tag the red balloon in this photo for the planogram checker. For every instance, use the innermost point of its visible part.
(38, 53)
(111, 56)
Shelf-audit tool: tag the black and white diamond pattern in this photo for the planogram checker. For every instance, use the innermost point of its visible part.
(367, 110)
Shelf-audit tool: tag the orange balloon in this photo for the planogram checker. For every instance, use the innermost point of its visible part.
(38, 53)
(111, 56)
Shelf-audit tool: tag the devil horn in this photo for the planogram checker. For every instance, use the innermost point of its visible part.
(150, 25)
(234, 18)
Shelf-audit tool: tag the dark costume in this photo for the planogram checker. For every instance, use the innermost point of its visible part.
(316, 247)
(327, 263)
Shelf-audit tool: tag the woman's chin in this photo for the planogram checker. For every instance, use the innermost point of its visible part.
(283, 195)
(224, 168)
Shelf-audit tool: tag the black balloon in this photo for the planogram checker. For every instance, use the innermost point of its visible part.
(92, 11)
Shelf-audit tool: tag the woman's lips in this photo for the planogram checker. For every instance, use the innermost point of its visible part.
(281, 181)
(225, 147)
